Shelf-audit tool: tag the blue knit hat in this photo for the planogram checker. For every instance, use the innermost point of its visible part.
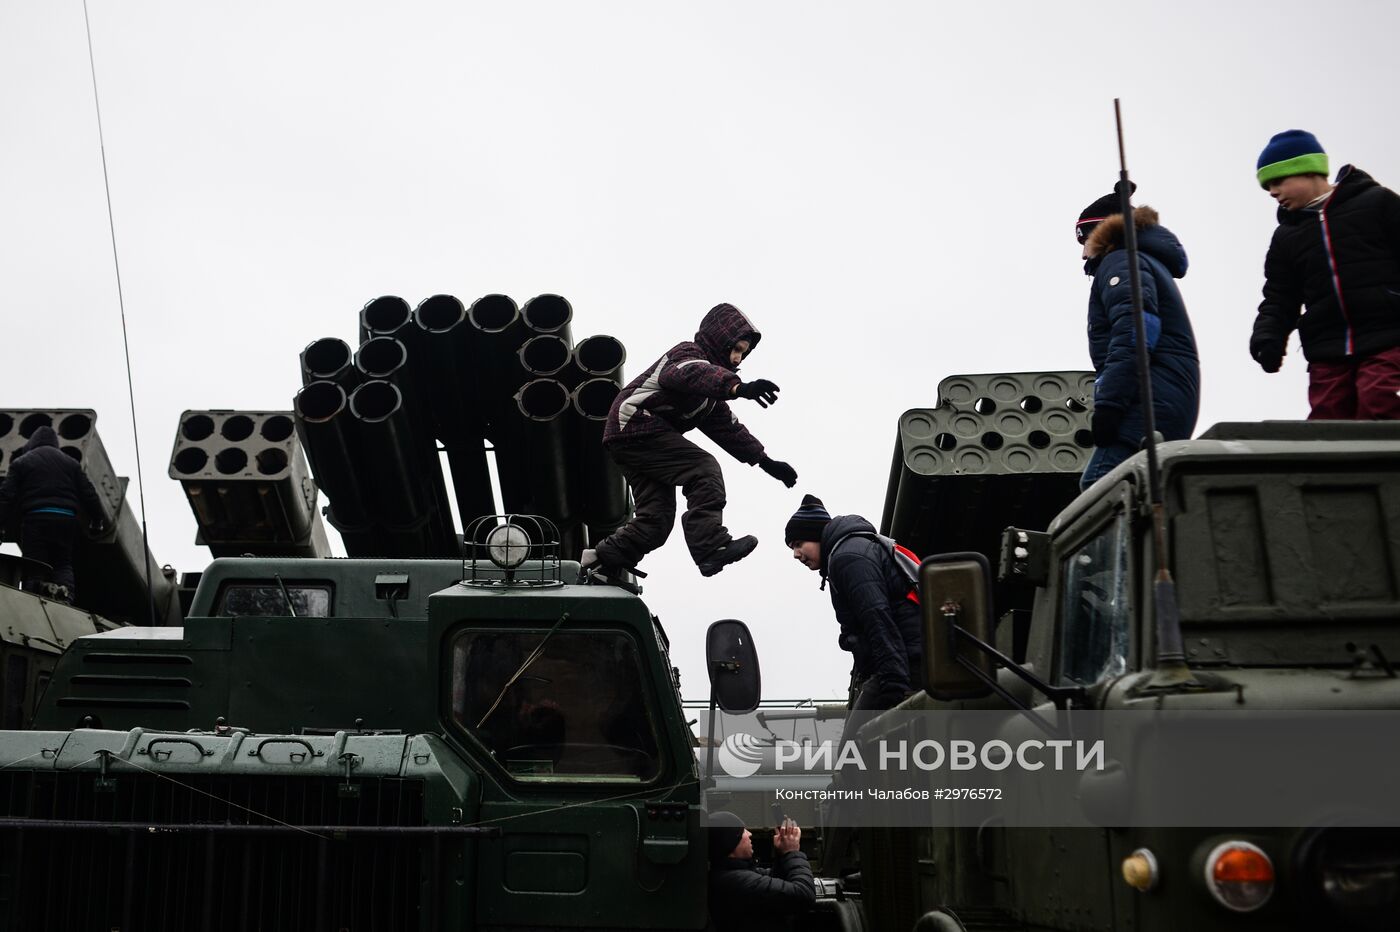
(1291, 152)
(807, 522)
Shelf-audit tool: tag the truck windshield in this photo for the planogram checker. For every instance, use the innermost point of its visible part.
(1094, 613)
(577, 711)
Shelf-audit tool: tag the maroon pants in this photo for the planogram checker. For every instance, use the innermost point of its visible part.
(1363, 389)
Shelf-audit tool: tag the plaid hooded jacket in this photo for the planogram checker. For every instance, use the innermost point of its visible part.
(687, 387)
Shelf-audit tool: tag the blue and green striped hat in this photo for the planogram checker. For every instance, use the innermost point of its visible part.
(1291, 152)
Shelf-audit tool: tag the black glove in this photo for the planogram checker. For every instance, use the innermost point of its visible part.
(1268, 354)
(1103, 423)
(97, 528)
(760, 390)
(778, 470)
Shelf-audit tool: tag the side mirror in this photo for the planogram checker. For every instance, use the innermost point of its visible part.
(732, 662)
(955, 591)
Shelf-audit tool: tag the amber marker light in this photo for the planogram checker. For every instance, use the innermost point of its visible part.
(1239, 875)
(1140, 870)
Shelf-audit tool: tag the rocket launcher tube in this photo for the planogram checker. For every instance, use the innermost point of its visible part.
(545, 356)
(600, 357)
(448, 368)
(549, 313)
(379, 357)
(497, 332)
(400, 503)
(322, 419)
(386, 316)
(386, 358)
(446, 337)
(328, 359)
(602, 493)
(533, 462)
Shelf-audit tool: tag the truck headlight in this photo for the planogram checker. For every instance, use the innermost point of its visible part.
(508, 545)
(1358, 873)
(1239, 875)
(1362, 888)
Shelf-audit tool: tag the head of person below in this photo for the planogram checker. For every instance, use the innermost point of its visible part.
(871, 579)
(743, 896)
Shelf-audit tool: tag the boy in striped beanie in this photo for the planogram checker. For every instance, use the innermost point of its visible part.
(1333, 274)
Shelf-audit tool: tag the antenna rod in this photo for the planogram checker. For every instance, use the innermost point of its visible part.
(1172, 670)
(121, 304)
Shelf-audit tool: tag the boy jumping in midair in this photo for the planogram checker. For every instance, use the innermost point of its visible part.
(688, 387)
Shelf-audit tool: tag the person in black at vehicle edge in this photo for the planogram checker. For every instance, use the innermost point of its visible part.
(1336, 251)
(48, 488)
(744, 897)
(874, 595)
(685, 388)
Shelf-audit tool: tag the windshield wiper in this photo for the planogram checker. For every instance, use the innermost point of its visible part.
(534, 655)
(283, 586)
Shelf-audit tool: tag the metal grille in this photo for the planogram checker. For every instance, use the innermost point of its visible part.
(202, 874)
(536, 554)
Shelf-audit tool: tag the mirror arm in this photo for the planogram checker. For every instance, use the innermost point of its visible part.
(710, 745)
(991, 683)
(1061, 696)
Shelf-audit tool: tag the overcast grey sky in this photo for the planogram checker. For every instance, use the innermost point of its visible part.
(887, 189)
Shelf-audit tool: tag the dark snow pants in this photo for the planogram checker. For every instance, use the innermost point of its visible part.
(1364, 389)
(655, 467)
(50, 538)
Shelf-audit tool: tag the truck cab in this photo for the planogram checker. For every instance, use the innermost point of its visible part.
(1281, 538)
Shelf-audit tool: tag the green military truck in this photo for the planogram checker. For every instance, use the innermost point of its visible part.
(366, 744)
(1284, 542)
(361, 744)
(484, 744)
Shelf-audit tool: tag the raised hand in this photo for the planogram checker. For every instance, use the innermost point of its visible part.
(787, 837)
(760, 390)
(779, 470)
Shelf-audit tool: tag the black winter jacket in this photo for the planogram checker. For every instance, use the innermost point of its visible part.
(880, 625)
(1171, 343)
(1342, 262)
(687, 388)
(43, 476)
(744, 897)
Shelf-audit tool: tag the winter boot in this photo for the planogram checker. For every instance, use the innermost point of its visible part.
(732, 552)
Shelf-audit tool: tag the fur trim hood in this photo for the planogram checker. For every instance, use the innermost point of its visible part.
(1108, 235)
(1153, 239)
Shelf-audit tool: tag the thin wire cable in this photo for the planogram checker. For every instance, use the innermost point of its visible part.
(41, 751)
(121, 303)
(115, 759)
(631, 794)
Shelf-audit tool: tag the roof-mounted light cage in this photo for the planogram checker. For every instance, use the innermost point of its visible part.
(512, 550)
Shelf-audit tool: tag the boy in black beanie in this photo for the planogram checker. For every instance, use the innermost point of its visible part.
(1336, 252)
(874, 597)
